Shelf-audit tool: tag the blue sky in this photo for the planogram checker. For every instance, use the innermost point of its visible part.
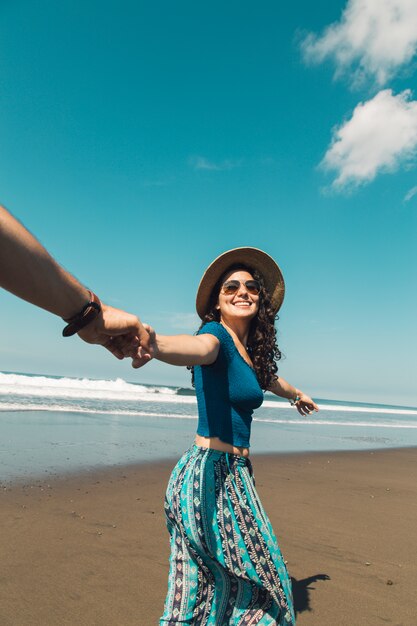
(140, 140)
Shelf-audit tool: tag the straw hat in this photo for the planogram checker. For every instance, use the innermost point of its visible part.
(254, 259)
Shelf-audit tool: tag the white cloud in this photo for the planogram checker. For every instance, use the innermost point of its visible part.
(187, 322)
(373, 37)
(201, 163)
(168, 322)
(410, 194)
(380, 136)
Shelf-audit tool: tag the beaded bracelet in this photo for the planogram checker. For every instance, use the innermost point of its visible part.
(294, 401)
(88, 313)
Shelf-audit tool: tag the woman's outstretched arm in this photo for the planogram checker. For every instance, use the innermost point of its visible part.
(305, 405)
(181, 349)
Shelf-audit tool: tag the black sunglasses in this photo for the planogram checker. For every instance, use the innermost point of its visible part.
(232, 286)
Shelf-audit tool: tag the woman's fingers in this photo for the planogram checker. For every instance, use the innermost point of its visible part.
(123, 346)
(300, 409)
(151, 332)
(306, 408)
(140, 361)
(308, 404)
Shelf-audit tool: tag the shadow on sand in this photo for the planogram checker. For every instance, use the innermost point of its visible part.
(301, 591)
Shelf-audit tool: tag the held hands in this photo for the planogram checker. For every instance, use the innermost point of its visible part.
(141, 357)
(123, 334)
(305, 405)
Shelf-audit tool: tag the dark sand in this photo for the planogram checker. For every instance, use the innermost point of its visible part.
(92, 549)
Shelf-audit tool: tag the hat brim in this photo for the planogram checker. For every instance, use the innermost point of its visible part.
(254, 259)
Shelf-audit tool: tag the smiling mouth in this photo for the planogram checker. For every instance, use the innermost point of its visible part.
(242, 304)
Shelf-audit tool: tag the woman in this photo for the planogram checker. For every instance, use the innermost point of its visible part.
(225, 565)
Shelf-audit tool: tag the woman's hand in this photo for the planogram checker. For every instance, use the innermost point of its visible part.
(305, 405)
(144, 356)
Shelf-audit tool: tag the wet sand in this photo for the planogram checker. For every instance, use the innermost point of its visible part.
(92, 548)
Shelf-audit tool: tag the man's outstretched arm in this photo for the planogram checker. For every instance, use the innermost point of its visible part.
(29, 271)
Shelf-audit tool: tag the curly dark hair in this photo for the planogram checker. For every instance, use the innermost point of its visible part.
(262, 339)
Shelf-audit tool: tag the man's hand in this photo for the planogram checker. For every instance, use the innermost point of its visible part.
(120, 332)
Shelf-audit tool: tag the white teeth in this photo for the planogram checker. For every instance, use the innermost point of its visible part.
(242, 304)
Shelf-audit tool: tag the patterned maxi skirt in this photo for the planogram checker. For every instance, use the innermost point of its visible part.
(225, 566)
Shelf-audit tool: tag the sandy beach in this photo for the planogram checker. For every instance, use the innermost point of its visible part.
(92, 548)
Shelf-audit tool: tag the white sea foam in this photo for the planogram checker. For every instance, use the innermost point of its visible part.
(58, 408)
(268, 404)
(79, 384)
(93, 394)
(118, 389)
(303, 422)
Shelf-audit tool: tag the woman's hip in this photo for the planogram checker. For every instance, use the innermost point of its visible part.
(203, 479)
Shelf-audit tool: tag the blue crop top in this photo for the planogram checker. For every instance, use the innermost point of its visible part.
(227, 392)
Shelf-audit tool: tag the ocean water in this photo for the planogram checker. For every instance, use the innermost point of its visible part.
(51, 425)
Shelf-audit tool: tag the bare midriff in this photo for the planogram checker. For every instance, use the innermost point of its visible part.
(217, 444)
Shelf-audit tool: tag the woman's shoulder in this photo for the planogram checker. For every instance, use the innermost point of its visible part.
(225, 340)
(213, 328)
(219, 331)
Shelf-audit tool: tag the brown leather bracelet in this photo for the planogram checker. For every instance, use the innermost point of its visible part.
(88, 313)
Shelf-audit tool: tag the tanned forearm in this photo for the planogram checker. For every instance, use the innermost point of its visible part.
(282, 388)
(29, 271)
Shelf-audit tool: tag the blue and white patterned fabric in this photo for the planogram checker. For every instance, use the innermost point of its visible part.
(225, 566)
